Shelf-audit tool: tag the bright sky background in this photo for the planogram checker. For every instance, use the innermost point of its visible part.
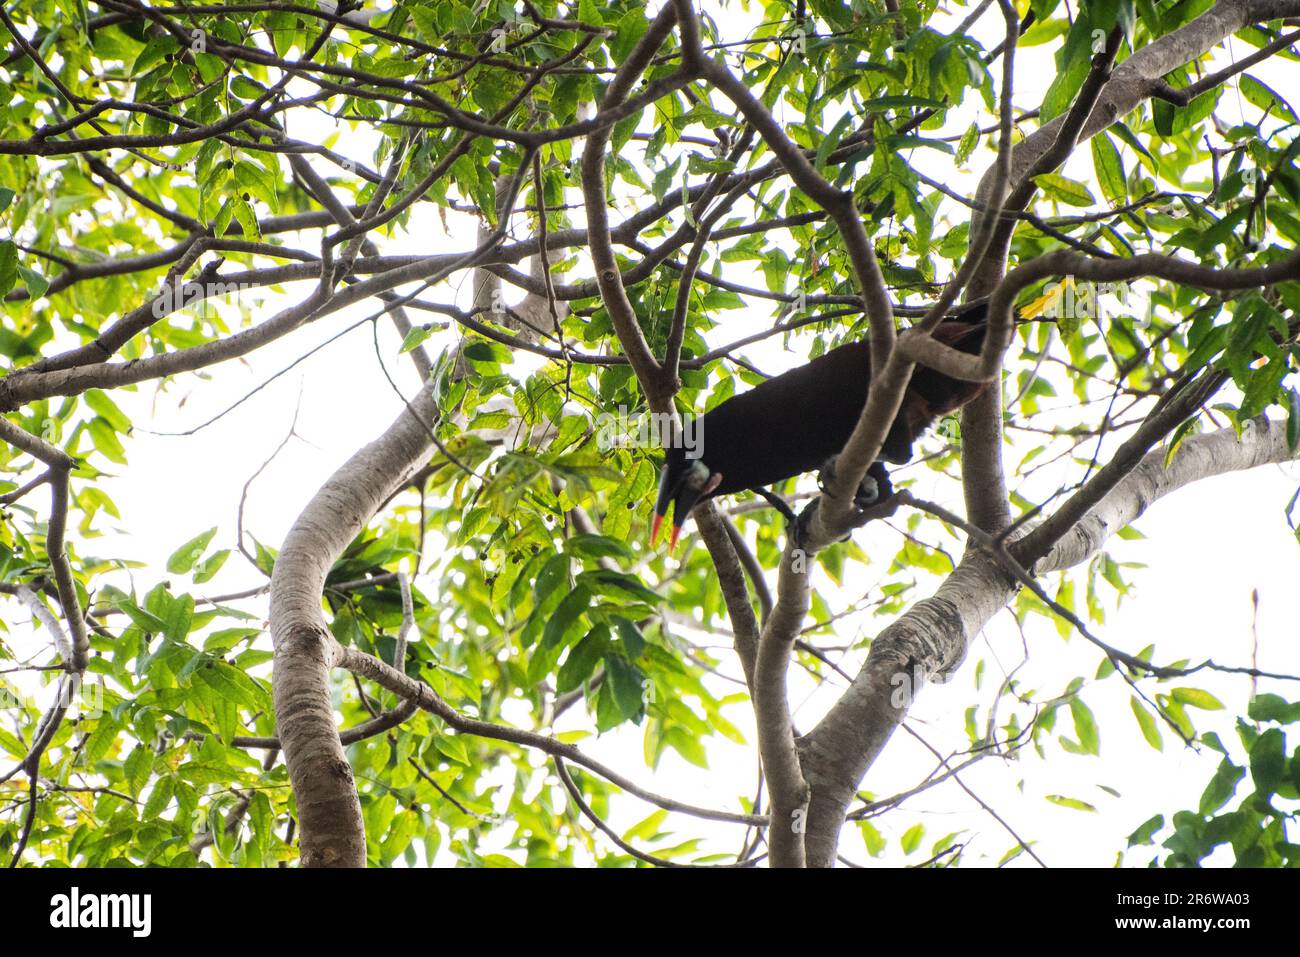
(1206, 548)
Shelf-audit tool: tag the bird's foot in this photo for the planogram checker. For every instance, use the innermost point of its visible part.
(826, 475)
(874, 488)
(801, 528)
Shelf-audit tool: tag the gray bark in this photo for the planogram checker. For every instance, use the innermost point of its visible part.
(329, 811)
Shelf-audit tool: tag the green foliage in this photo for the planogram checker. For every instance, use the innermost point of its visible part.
(517, 608)
(1248, 812)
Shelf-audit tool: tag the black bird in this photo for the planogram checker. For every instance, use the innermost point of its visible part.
(798, 421)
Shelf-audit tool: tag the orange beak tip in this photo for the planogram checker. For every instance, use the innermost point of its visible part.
(672, 538)
(655, 528)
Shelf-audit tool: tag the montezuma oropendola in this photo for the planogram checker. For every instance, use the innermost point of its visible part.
(799, 421)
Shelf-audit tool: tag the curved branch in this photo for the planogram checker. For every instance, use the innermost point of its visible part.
(647, 368)
(932, 637)
(333, 834)
(386, 676)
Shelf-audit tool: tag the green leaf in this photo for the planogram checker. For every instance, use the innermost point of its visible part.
(553, 572)
(8, 266)
(597, 546)
(415, 337)
(699, 165)
(969, 140)
(210, 566)
(179, 617)
(1268, 760)
(246, 89)
(912, 838)
(159, 797)
(1197, 698)
(138, 766)
(144, 620)
(1109, 167)
(1073, 804)
(1085, 726)
(628, 632)
(1176, 439)
(451, 746)
(1131, 139)
(562, 624)
(871, 838)
(1147, 831)
(183, 559)
(1043, 30)
(232, 684)
(646, 829)
(1073, 60)
(107, 409)
(257, 182)
(480, 351)
(1065, 190)
(880, 104)
(627, 684)
(1263, 96)
(1188, 117)
(1263, 386)
(106, 441)
(221, 641)
(1221, 787)
(1147, 723)
(832, 140)
(153, 53)
(616, 584)
(1271, 707)
(1150, 16)
(582, 659)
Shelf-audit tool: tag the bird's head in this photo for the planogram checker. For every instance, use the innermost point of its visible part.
(683, 483)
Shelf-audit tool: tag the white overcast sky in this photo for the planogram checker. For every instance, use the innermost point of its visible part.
(1206, 549)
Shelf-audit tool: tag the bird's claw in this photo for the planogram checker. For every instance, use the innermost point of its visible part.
(826, 475)
(874, 488)
(801, 528)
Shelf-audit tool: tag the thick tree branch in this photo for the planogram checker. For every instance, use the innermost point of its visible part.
(932, 637)
(333, 834)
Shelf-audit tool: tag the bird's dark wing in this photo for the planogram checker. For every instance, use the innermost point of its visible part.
(789, 424)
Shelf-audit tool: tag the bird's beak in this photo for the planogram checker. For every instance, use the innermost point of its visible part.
(661, 508)
(682, 503)
(654, 529)
(674, 531)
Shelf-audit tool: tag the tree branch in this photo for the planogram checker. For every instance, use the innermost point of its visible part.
(932, 637)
